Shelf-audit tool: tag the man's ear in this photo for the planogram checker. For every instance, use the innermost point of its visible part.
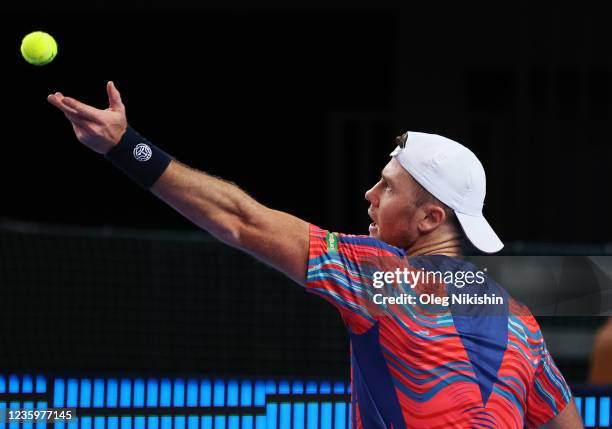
(432, 216)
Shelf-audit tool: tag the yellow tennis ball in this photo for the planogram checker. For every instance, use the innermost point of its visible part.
(38, 48)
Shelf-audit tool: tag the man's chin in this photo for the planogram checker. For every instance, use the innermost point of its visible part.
(373, 229)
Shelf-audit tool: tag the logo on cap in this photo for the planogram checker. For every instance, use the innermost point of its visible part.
(142, 152)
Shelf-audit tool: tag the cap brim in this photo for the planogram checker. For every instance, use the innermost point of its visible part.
(480, 233)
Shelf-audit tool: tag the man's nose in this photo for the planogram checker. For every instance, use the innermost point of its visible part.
(371, 196)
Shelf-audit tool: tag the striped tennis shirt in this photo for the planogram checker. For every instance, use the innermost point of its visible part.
(419, 364)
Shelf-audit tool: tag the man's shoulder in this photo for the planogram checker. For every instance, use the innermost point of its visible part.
(367, 241)
(356, 242)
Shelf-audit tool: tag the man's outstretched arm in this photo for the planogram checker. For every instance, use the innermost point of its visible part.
(220, 207)
(228, 213)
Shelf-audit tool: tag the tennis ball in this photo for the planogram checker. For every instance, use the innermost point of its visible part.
(38, 48)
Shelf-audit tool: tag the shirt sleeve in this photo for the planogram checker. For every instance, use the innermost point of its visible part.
(549, 393)
(340, 269)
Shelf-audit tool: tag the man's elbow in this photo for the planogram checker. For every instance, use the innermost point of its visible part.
(227, 229)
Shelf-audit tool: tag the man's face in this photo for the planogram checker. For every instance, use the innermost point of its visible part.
(392, 206)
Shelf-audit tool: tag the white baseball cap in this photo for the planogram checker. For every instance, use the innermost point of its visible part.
(455, 176)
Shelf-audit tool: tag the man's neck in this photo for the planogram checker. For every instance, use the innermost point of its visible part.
(447, 245)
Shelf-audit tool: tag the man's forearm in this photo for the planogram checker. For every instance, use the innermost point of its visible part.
(230, 214)
(213, 204)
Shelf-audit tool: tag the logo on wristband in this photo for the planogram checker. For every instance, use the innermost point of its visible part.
(142, 152)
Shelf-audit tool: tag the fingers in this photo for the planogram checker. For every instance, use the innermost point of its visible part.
(71, 106)
(76, 119)
(82, 109)
(70, 113)
(114, 98)
(56, 100)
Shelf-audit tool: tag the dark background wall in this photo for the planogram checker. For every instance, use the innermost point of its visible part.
(76, 301)
(300, 106)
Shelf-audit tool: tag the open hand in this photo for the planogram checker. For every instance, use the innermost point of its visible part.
(97, 129)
